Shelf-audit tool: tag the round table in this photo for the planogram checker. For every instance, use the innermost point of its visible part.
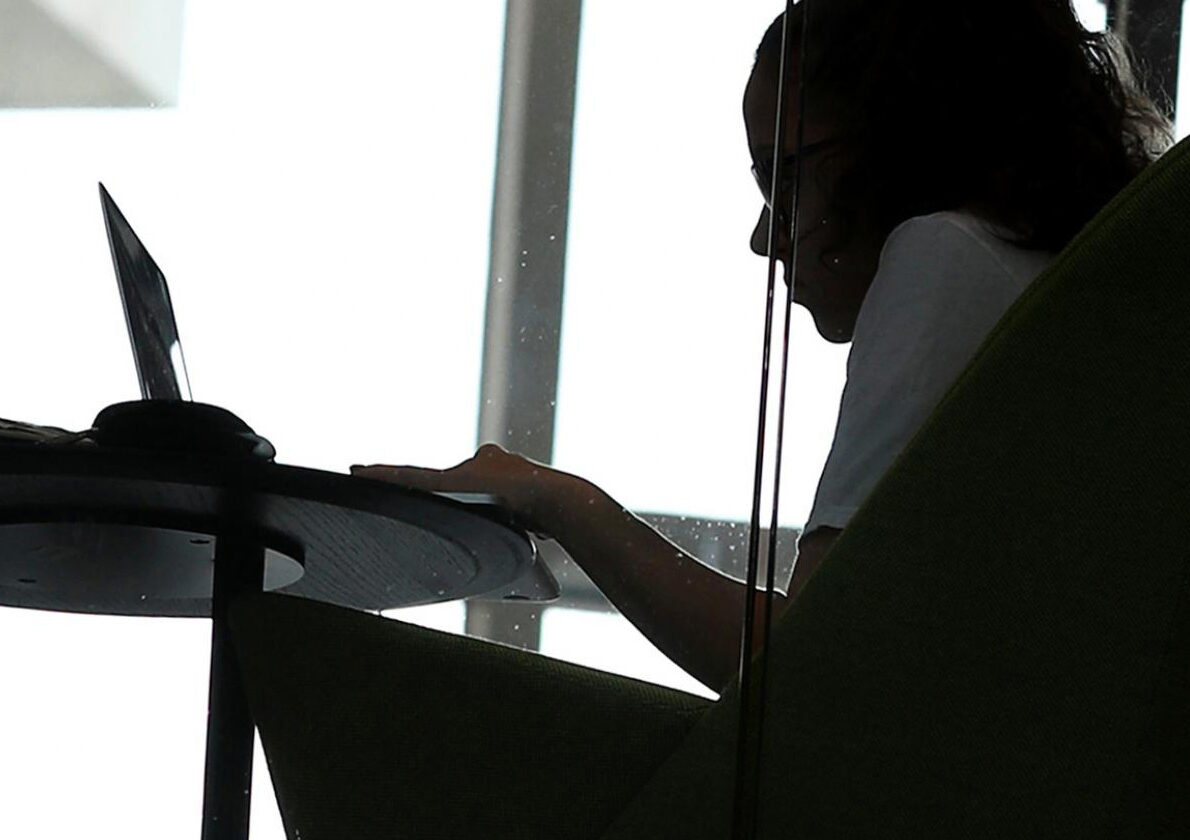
(124, 531)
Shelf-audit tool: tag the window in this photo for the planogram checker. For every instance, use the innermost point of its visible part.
(319, 198)
(316, 182)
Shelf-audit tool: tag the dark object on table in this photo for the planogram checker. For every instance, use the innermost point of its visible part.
(179, 426)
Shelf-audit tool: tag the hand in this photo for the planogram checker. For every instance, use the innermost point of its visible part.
(523, 487)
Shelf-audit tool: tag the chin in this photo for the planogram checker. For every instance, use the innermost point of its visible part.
(835, 330)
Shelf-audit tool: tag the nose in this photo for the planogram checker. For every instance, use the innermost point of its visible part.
(760, 237)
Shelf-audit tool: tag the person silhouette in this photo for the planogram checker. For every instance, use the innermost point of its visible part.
(948, 151)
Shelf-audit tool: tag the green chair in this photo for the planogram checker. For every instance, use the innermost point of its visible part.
(998, 645)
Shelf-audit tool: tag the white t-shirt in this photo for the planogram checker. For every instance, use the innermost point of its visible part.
(942, 283)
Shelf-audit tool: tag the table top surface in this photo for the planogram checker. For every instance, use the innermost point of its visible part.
(132, 532)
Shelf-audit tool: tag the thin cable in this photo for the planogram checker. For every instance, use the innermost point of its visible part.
(744, 811)
(790, 280)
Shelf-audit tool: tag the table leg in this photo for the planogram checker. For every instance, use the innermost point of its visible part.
(227, 791)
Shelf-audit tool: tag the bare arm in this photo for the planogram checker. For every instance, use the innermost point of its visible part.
(691, 612)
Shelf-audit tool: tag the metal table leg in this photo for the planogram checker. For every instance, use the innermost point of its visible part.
(227, 791)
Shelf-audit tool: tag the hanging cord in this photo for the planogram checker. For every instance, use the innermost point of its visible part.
(751, 710)
(790, 280)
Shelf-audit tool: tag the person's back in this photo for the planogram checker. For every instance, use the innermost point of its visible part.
(942, 283)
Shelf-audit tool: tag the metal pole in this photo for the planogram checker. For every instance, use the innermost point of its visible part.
(522, 332)
(227, 790)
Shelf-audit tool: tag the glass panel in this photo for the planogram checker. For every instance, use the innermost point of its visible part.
(664, 416)
(1183, 109)
(664, 305)
(608, 642)
(315, 183)
(297, 208)
(1092, 14)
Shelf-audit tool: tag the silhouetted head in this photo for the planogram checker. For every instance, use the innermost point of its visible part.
(1007, 108)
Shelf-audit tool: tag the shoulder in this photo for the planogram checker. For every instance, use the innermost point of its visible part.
(928, 259)
(951, 253)
(938, 237)
(956, 242)
(943, 272)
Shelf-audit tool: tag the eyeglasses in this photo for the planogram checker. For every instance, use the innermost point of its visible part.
(762, 171)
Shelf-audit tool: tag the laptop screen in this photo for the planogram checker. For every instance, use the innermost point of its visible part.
(152, 330)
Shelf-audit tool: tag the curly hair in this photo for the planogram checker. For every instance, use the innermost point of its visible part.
(1008, 106)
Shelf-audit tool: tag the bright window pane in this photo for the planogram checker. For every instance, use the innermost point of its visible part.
(1183, 120)
(319, 200)
(447, 617)
(664, 303)
(1092, 13)
(608, 642)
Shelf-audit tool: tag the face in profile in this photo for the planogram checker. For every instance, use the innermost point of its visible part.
(833, 269)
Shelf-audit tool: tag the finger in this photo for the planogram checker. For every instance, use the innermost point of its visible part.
(417, 477)
(387, 470)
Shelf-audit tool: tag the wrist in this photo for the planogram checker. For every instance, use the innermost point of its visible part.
(555, 500)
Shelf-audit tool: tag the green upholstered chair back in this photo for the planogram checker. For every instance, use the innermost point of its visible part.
(999, 643)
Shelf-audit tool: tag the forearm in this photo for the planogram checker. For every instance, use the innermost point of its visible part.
(691, 612)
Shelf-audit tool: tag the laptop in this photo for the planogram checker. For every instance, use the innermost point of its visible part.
(161, 366)
(152, 331)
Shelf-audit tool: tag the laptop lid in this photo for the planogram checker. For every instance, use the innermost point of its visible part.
(152, 331)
